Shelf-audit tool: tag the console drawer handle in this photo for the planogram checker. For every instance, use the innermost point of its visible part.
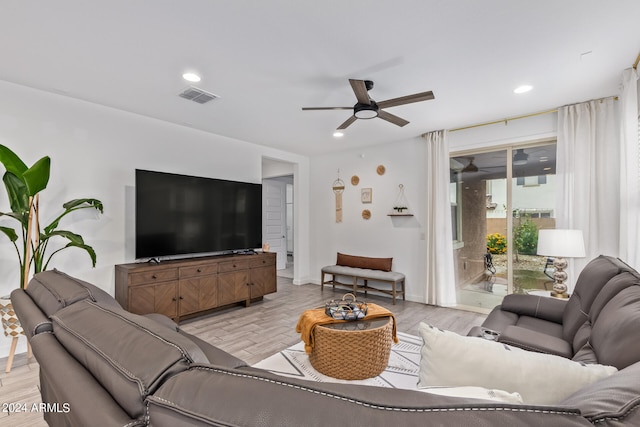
(154, 276)
(199, 270)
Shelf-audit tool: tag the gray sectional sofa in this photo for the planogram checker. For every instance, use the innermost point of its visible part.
(114, 368)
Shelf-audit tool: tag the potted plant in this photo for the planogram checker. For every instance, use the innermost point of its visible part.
(30, 240)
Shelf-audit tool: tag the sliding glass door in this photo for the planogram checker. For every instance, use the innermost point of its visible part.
(533, 207)
(499, 199)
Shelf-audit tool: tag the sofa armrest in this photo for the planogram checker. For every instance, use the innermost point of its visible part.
(216, 355)
(535, 306)
(163, 320)
(223, 396)
(535, 341)
(610, 400)
(32, 319)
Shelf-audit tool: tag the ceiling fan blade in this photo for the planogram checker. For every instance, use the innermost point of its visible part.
(418, 97)
(360, 89)
(326, 108)
(392, 119)
(347, 122)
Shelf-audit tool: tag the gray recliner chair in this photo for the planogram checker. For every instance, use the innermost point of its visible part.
(555, 326)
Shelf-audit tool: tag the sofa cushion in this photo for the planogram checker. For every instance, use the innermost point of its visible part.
(64, 381)
(535, 341)
(383, 264)
(550, 309)
(53, 290)
(615, 334)
(130, 355)
(610, 289)
(450, 360)
(591, 280)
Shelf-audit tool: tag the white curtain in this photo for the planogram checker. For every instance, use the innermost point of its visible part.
(629, 170)
(587, 166)
(441, 288)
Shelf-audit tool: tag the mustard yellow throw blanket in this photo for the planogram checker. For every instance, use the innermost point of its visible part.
(312, 318)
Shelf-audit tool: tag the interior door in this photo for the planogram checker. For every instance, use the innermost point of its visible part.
(274, 196)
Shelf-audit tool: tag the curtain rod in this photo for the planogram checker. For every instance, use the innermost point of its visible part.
(495, 122)
(508, 119)
(635, 64)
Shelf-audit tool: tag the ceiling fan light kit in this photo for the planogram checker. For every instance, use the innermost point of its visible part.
(366, 111)
(366, 108)
(520, 158)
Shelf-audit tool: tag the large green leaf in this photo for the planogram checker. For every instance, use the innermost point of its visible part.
(95, 203)
(74, 205)
(88, 249)
(11, 161)
(10, 233)
(72, 237)
(37, 176)
(39, 266)
(16, 192)
(22, 217)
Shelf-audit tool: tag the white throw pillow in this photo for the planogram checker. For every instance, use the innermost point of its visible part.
(451, 360)
(476, 393)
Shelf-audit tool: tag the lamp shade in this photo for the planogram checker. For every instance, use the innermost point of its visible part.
(561, 243)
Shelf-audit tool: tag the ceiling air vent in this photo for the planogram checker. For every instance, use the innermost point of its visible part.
(198, 95)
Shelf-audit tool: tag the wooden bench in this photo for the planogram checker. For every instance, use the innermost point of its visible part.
(361, 270)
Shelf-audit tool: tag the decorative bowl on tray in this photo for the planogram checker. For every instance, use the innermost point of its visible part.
(347, 308)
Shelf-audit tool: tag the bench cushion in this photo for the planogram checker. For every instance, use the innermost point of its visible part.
(366, 273)
(383, 264)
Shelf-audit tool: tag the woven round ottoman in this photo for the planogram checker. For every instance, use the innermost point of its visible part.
(352, 350)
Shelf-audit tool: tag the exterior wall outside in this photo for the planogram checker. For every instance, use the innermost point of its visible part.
(469, 260)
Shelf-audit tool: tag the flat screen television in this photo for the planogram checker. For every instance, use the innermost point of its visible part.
(180, 215)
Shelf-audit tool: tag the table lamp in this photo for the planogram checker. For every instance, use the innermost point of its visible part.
(560, 244)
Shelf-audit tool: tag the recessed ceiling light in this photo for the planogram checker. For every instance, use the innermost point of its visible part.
(338, 134)
(522, 89)
(191, 77)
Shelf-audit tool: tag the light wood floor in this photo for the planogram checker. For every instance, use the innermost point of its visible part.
(252, 334)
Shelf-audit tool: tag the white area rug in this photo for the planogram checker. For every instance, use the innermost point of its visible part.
(402, 371)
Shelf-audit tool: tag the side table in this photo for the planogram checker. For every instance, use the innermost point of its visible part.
(352, 350)
(541, 293)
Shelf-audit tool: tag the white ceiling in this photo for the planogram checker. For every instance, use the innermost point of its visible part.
(268, 58)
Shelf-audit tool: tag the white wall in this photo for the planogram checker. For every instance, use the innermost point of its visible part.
(94, 152)
(380, 236)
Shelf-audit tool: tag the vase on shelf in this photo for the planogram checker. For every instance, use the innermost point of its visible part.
(401, 206)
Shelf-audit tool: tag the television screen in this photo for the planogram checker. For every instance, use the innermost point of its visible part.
(179, 214)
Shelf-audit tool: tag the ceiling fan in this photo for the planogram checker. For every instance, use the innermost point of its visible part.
(472, 168)
(367, 108)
